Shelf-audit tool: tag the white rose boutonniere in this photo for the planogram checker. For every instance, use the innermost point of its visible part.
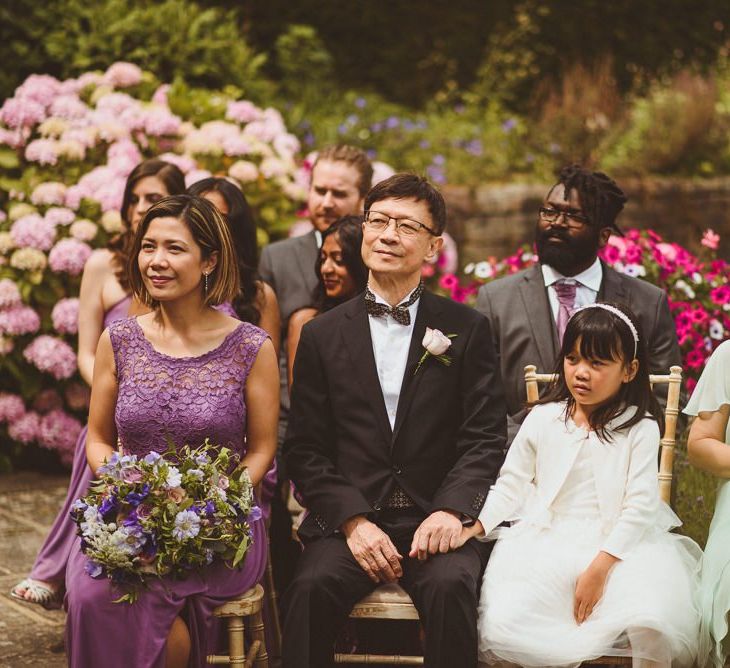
(436, 343)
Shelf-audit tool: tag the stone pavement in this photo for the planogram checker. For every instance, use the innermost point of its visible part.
(29, 635)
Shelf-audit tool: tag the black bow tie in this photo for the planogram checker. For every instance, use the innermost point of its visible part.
(399, 313)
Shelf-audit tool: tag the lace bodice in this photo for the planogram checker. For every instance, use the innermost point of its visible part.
(185, 399)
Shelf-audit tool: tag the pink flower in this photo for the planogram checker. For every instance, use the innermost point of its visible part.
(710, 239)
(610, 254)
(65, 316)
(33, 231)
(448, 281)
(195, 176)
(12, 407)
(77, 396)
(47, 400)
(68, 107)
(43, 151)
(41, 88)
(160, 95)
(448, 259)
(52, 356)
(18, 320)
(48, 193)
(721, 294)
(18, 113)
(123, 156)
(435, 342)
(59, 431)
(123, 75)
(159, 121)
(9, 293)
(25, 429)
(242, 111)
(694, 359)
(183, 162)
(59, 215)
(69, 256)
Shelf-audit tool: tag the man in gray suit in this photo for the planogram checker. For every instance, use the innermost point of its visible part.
(528, 310)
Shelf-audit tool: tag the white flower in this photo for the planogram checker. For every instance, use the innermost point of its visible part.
(717, 331)
(174, 477)
(634, 270)
(682, 285)
(435, 342)
(483, 270)
(469, 268)
(697, 277)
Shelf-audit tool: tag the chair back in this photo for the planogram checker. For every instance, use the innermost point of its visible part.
(673, 380)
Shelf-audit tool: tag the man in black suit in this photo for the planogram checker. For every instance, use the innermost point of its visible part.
(526, 309)
(393, 451)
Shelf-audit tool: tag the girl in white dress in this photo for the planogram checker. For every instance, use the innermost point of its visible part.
(588, 567)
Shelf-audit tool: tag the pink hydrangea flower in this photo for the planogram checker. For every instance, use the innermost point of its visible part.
(83, 230)
(160, 95)
(111, 106)
(65, 316)
(59, 431)
(47, 400)
(43, 151)
(48, 193)
(195, 176)
(41, 88)
(25, 429)
(12, 407)
(123, 75)
(123, 156)
(9, 293)
(69, 256)
(18, 320)
(159, 121)
(77, 396)
(52, 356)
(68, 107)
(33, 231)
(183, 162)
(19, 113)
(242, 111)
(59, 215)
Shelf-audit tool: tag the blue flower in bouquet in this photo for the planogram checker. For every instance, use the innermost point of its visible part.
(196, 473)
(93, 569)
(187, 525)
(109, 505)
(128, 539)
(202, 458)
(210, 508)
(152, 458)
(135, 498)
(255, 514)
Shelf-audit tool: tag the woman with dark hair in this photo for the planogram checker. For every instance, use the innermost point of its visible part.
(104, 298)
(183, 264)
(341, 275)
(256, 302)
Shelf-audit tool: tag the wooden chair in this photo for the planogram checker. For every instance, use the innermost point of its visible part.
(674, 381)
(249, 604)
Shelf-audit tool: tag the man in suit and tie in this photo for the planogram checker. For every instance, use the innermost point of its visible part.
(528, 310)
(392, 450)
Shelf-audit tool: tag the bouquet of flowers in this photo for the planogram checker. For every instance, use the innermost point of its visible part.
(165, 514)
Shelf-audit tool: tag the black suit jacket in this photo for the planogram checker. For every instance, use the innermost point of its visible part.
(448, 442)
(524, 331)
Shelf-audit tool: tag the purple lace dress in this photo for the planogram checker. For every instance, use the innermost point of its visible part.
(186, 399)
(50, 564)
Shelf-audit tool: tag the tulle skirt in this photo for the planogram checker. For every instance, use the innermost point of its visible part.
(648, 609)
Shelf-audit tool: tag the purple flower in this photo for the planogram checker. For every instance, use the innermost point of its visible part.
(135, 498)
(152, 458)
(255, 514)
(361, 102)
(109, 505)
(210, 508)
(93, 569)
(187, 525)
(509, 125)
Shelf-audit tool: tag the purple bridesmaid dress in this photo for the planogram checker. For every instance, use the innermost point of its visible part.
(50, 564)
(185, 399)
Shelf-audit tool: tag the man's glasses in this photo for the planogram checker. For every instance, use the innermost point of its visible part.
(571, 219)
(379, 222)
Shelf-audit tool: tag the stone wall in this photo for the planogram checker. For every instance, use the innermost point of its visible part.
(495, 219)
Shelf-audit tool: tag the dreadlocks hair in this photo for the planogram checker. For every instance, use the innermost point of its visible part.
(601, 198)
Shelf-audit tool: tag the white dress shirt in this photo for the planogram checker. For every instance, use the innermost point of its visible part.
(391, 342)
(588, 284)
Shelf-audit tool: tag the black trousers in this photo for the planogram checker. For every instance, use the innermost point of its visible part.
(328, 582)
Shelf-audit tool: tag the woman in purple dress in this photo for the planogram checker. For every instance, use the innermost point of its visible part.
(183, 372)
(104, 298)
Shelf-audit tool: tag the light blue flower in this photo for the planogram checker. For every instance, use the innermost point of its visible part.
(202, 458)
(93, 569)
(187, 525)
(196, 473)
(152, 458)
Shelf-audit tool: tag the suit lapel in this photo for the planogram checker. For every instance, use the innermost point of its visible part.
(356, 335)
(539, 317)
(612, 287)
(306, 257)
(427, 310)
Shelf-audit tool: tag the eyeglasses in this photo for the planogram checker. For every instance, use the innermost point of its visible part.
(404, 226)
(571, 219)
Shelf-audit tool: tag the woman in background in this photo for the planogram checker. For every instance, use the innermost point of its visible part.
(104, 298)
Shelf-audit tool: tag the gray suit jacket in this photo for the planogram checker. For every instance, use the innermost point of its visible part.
(288, 267)
(524, 331)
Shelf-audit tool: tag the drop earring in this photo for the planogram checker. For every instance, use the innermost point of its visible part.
(205, 284)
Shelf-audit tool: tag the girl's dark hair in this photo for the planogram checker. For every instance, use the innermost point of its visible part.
(121, 244)
(243, 230)
(604, 336)
(349, 235)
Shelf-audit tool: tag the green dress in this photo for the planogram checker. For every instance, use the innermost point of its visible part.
(712, 392)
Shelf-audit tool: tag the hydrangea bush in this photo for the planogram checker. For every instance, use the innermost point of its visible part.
(697, 286)
(66, 149)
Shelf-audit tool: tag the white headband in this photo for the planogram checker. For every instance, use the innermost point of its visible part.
(619, 314)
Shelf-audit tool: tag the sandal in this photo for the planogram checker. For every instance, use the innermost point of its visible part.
(40, 594)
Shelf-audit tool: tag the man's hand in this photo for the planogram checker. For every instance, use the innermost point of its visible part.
(372, 549)
(439, 532)
(590, 585)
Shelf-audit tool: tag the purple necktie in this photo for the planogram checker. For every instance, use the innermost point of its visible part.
(566, 304)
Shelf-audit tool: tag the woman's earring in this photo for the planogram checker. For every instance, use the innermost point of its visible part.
(205, 280)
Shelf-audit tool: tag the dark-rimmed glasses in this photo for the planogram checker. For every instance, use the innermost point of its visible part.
(550, 215)
(379, 222)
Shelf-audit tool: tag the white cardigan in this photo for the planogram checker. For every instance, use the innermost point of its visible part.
(542, 455)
